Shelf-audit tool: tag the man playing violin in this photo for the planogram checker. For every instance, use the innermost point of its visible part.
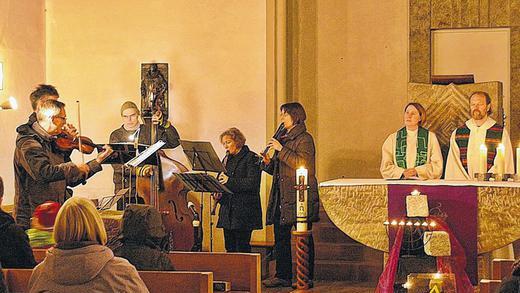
(42, 172)
(133, 131)
(42, 93)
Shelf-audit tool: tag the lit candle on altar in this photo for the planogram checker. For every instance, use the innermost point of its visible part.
(301, 199)
(482, 159)
(518, 160)
(501, 150)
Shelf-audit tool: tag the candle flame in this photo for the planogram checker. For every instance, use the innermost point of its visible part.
(416, 192)
(483, 147)
(501, 146)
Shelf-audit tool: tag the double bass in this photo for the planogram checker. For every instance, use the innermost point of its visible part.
(169, 196)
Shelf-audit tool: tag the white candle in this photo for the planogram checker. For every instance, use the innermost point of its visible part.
(517, 160)
(501, 150)
(301, 199)
(482, 159)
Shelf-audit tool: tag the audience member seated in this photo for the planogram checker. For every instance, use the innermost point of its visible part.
(15, 251)
(42, 224)
(512, 284)
(142, 234)
(80, 261)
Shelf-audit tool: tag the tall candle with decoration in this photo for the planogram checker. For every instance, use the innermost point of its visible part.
(500, 160)
(482, 159)
(301, 199)
(517, 161)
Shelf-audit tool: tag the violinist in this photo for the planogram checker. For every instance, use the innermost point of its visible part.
(42, 93)
(133, 131)
(241, 212)
(42, 172)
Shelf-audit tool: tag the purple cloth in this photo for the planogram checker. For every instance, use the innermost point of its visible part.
(460, 203)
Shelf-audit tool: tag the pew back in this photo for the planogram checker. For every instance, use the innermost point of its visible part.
(241, 269)
(189, 282)
(17, 280)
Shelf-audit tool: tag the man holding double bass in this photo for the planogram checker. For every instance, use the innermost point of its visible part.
(133, 131)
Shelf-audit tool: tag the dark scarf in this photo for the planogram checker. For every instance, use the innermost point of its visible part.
(493, 139)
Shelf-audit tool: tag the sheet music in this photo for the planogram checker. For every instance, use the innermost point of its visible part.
(145, 154)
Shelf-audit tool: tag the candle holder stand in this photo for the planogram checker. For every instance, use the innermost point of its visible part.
(302, 260)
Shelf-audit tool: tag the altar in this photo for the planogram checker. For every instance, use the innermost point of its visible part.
(359, 207)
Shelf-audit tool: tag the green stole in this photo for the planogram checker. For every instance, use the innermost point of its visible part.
(422, 147)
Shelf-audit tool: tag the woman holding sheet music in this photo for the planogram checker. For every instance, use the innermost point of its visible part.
(240, 213)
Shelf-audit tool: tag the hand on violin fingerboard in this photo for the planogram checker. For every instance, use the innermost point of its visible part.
(70, 130)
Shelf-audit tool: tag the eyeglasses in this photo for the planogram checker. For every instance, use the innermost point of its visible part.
(61, 117)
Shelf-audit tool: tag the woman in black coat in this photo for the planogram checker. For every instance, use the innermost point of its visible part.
(294, 149)
(241, 212)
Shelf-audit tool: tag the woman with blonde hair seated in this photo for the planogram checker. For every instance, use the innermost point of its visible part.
(80, 261)
(413, 152)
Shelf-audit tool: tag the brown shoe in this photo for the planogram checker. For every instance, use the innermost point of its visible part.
(276, 282)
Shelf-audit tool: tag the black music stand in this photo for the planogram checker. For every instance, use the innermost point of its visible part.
(108, 202)
(130, 157)
(202, 157)
(123, 152)
(202, 182)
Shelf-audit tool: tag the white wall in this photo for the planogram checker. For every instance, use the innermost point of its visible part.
(22, 52)
(362, 80)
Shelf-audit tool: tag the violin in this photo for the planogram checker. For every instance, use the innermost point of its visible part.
(66, 143)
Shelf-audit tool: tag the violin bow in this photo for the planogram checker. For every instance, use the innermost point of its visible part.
(79, 133)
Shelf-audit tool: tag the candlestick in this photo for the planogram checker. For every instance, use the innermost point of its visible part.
(482, 159)
(501, 150)
(301, 199)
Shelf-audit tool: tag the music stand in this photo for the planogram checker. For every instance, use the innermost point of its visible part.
(108, 202)
(123, 152)
(202, 182)
(202, 157)
(146, 154)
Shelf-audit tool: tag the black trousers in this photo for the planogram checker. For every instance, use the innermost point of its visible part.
(237, 240)
(282, 250)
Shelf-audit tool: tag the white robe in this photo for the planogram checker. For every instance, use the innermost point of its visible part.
(431, 170)
(454, 168)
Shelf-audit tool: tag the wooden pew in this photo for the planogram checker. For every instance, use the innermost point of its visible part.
(489, 286)
(501, 268)
(17, 280)
(241, 269)
(189, 282)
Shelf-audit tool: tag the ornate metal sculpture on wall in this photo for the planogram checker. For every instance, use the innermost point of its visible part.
(154, 88)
